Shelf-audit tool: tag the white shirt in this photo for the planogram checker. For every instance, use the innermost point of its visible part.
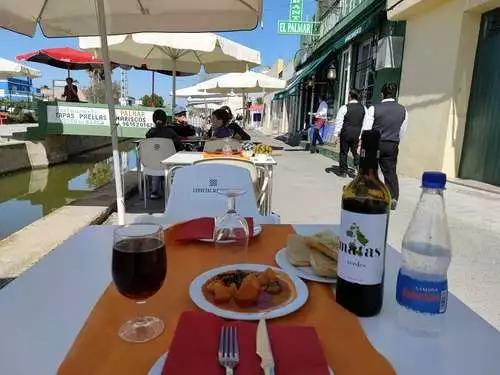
(370, 118)
(322, 111)
(339, 121)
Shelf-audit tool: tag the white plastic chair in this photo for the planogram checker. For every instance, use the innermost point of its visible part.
(259, 175)
(218, 144)
(153, 151)
(193, 194)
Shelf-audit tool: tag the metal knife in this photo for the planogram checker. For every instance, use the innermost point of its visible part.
(264, 348)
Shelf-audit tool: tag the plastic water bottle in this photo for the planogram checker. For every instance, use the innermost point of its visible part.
(422, 285)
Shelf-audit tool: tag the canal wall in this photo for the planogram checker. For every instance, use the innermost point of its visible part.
(54, 149)
(22, 249)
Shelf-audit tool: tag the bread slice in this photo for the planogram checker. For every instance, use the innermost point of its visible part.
(297, 251)
(322, 265)
(324, 242)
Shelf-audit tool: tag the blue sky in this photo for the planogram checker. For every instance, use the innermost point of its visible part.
(271, 45)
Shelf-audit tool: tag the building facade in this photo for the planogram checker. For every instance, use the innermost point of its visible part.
(356, 47)
(17, 89)
(450, 85)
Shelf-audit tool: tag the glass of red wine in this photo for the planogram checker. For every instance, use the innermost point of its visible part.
(139, 268)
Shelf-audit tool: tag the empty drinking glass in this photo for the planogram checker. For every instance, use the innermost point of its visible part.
(231, 231)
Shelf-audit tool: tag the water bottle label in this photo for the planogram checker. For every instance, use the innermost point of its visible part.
(362, 247)
(428, 297)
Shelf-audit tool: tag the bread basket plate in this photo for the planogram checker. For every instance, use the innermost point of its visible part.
(305, 273)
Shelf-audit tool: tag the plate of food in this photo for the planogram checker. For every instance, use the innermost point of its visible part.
(248, 292)
(311, 257)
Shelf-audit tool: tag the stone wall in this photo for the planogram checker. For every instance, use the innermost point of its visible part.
(53, 149)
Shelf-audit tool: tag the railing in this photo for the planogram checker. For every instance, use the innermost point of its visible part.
(335, 14)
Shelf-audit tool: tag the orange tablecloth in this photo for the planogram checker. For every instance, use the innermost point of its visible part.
(209, 155)
(98, 350)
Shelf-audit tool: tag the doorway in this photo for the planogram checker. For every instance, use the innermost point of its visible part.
(481, 148)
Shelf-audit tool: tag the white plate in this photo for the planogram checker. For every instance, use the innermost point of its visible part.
(257, 229)
(306, 273)
(199, 299)
(158, 366)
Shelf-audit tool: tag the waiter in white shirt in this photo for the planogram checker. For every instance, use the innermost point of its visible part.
(319, 122)
(348, 126)
(391, 119)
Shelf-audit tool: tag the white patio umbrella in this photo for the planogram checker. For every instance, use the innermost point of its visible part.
(182, 52)
(242, 83)
(62, 18)
(13, 69)
(194, 92)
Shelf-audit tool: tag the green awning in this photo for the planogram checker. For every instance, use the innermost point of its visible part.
(299, 76)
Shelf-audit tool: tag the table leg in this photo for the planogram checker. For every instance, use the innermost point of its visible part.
(268, 205)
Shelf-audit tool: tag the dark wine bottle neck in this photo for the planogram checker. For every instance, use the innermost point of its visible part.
(368, 161)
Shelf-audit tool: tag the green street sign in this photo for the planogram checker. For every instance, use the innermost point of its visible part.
(298, 28)
(296, 10)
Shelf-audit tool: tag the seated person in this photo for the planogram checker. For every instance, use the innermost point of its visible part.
(220, 125)
(162, 130)
(180, 124)
(237, 130)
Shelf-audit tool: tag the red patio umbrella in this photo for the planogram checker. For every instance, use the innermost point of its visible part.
(64, 58)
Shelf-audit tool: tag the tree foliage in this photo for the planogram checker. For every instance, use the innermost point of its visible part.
(96, 92)
(152, 101)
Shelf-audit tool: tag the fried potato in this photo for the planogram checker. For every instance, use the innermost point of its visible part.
(248, 292)
(222, 293)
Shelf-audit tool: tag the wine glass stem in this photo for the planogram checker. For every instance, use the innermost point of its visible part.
(231, 205)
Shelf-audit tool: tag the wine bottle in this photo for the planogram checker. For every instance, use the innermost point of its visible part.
(363, 234)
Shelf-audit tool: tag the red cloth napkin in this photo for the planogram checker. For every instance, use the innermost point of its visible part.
(296, 350)
(200, 229)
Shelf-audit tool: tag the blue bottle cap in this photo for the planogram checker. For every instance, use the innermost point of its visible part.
(433, 180)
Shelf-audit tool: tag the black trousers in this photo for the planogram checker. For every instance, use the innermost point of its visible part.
(316, 137)
(348, 142)
(388, 160)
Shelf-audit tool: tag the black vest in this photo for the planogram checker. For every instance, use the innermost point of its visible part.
(389, 116)
(353, 119)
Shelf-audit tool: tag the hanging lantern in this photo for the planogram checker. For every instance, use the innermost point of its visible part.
(332, 73)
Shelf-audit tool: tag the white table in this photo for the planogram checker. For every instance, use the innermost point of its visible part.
(183, 158)
(42, 312)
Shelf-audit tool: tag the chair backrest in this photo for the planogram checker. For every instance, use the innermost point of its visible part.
(154, 150)
(194, 194)
(218, 144)
(247, 164)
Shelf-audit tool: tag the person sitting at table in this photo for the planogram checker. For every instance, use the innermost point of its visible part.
(180, 124)
(220, 125)
(162, 130)
(236, 129)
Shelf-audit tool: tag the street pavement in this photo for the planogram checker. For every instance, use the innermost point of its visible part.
(305, 193)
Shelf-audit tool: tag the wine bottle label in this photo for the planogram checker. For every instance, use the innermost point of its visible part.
(362, 247)
(429, 297)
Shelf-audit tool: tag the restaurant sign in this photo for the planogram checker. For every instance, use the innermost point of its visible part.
(295, 25)
(69, 115)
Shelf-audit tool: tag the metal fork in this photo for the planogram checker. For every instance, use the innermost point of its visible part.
(229, 354)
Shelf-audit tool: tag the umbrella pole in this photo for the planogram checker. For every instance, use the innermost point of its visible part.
(174, 76)
(120, 201)
(152, 88)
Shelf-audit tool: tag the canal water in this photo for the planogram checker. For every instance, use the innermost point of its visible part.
(27, 196)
